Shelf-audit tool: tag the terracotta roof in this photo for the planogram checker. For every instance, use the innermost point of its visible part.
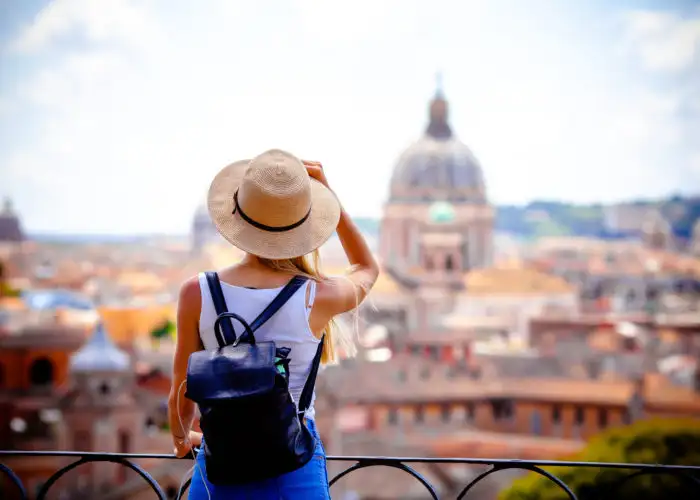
(410, 379)
(479, 444)
(514, 281)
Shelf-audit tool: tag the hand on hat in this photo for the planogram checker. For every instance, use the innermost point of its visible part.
(315, 170)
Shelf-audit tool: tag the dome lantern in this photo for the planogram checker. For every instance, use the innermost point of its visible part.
(438, 163)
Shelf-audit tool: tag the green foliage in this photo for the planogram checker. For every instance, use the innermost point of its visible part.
(166, 330)
(589, 220)
(668, 442)
(5, 289)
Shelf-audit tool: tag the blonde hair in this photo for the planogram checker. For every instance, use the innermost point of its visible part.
(339, 342)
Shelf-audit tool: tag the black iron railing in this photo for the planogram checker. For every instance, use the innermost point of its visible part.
(689, 476)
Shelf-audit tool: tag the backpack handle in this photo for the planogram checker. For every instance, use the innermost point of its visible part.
(246, 326)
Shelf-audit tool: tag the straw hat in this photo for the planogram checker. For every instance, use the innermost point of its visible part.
(270, 207)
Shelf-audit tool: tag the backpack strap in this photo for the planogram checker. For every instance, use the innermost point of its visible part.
(225, 335)
(280, 299)
(308, 390)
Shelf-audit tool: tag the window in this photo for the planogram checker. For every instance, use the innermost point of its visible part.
(556, 414)
(536, 423)
(124, 442)
(82, 441)
(470, 411)
(124, 447)
(580, 416)
(602, 418)
(393, 417)
(449, 264)
(420, 415)
(627, 417)
(41, 372)
(508, 409)
(445, 414)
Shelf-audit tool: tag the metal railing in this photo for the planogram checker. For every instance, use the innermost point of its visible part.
(689, 476)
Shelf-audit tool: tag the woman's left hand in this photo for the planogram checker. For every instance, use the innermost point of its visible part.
(184, 446)
(182, 449)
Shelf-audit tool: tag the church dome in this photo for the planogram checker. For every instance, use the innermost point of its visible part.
(100, 354)
(440, 162)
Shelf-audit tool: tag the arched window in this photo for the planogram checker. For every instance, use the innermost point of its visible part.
(41, 372)
(104, 389)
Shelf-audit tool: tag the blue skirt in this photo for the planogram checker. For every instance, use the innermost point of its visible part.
(308, 483)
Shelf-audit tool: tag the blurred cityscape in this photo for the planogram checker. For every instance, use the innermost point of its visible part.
(511, 332)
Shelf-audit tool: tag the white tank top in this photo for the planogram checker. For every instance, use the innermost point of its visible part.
(288, 327)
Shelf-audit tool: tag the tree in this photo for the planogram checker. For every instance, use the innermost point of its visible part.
(655, 441)
(165, 330)
(6, 289)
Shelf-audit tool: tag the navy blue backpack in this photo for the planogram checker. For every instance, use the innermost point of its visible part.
(252, 428)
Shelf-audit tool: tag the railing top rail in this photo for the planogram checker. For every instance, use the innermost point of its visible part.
(374, 459)
(687, 474)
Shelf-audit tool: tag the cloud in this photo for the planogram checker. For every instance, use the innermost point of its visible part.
(665, 44)
(124, 22)
(664, 41)
(134, 119)
(360, 21)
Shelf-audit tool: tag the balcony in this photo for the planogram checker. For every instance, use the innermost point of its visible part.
(688, 477)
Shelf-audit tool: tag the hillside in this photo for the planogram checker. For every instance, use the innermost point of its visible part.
(552, 218)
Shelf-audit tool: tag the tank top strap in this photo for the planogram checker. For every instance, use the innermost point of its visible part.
(309, 296)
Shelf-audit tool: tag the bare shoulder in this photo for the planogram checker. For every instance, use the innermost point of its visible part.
(190, 296)
(339, 294)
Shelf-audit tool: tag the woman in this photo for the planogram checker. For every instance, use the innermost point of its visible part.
(279, 210)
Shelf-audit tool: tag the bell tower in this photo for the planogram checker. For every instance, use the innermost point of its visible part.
(100, 412)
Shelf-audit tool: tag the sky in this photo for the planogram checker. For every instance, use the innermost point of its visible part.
(115, 115)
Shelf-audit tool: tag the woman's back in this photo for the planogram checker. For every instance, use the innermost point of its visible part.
(279, 210)
(288, 327)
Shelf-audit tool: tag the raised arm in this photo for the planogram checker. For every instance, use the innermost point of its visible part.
(341, 294)
(181, 409)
